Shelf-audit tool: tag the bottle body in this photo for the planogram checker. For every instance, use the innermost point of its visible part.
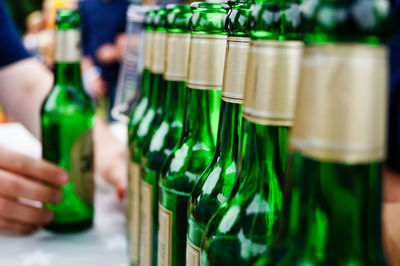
(167, 134)
(215, 184)
(337, 143)
(67, 121)
(197, 145)
(247, 224)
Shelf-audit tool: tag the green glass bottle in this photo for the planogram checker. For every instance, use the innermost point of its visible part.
(67, 121)
(214, 186)
(332, 213)
(136, 116)
(197, 145)
(242, 230)
(166, 136)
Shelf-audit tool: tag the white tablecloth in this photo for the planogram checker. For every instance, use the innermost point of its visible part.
(103, 245)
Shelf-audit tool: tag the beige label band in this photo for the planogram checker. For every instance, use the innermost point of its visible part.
(273, 72)
(148, 40)
(237, 51)
(206, 61)
(134, 211)
(192, 254)
(146, 226)
(68, 46)
(164, 236)
(177, 56)
(158, 52)
(341, 109)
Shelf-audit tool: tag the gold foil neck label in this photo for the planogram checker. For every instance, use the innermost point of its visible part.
(237, 51)
(177, 56)
(146, 227)
(206, 61)
(68, 46)
(148, 40)
(340, 112)
(192, 254)
(273, 72)
(134, 211)
(164, 236)
(158, 52)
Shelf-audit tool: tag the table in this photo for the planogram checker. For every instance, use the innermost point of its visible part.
(103, 245)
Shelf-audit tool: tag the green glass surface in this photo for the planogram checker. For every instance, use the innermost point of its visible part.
(242, 229)
(333, 216)
(215, 184)
(154, 112)
(67, 113)
(197, 145)
(138, 110)
(332, 210)
(169, 131)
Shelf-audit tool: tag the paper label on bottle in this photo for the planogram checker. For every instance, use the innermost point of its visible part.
(146, 227)
(164, 236)
(192, 254)
(158, 52)
(341, 109)
(177, 56)
(82, 167)
(134, 211)
(68, 46)
(237, 51)
(148, 40)
(271, 84)
(206, 61)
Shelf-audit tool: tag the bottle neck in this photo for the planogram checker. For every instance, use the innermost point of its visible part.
(175, 100)
(229, 131)
(68, 56)
(263, 158)
(157, 91)
(68, 73)
(202, 116)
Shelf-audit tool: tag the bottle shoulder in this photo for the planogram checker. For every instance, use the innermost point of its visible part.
(68, 101)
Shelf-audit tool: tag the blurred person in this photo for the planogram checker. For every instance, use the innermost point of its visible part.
(31, 40)
(24, 84)
(391, 207)
(103, 27)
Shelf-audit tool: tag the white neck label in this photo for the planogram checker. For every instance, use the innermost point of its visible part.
(68, 46)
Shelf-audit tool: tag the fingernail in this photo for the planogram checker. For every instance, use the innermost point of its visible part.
(49, 217)
(62, 178)
(121, 192)
(57, 196)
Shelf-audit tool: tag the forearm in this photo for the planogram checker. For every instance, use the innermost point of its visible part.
(23, 88)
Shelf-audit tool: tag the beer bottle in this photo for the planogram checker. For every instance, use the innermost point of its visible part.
(197, 145)
(332, 215)
(214, 186)
(136, 116)
(242, 230)
(67, 121)
(166, 136)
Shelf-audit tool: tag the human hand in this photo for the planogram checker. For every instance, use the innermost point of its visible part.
(391, 214)
(110, 157)
(22, 177)
(107, 53)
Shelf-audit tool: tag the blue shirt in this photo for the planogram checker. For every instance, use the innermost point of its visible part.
(11, 48)
(393, 147)
(102, 21)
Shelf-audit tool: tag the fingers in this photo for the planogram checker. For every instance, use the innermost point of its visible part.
(16, 227)
(25, 214)
(30, 167)
(13, 185)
